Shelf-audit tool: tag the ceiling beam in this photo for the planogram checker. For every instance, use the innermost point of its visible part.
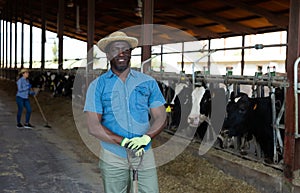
(233, 26)
(281, 21)
(202, 32)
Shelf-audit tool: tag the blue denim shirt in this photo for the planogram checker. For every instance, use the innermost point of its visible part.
(23, 88)
(124, 105)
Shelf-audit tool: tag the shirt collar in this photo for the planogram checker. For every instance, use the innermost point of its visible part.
(132, 73)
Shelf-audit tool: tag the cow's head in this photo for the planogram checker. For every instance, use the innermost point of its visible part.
(194, 118)
(238, 111)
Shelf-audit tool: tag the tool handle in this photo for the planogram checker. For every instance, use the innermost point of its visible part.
(135, 186)
(38, 104)
(135, 181)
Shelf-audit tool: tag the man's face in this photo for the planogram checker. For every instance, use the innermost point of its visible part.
(119, 54)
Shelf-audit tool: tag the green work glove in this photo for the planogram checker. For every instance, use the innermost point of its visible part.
(138, 142)
(139, 152)
(124, 142)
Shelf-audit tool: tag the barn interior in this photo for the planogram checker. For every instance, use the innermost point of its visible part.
(91, 20)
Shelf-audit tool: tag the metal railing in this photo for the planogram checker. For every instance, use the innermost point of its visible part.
(296, 92)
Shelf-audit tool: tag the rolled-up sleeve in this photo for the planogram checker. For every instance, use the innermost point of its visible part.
(93, 98)
(156, 98)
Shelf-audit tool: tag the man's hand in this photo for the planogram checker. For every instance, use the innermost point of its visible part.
(32, 93)
(138, 142)
(139, 152)
(124, 142)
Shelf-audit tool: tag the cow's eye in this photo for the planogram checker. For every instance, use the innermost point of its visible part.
(242, 110)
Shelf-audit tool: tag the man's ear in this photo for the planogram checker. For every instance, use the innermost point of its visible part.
(108, 56)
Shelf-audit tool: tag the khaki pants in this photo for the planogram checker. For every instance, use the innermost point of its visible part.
(117, 176)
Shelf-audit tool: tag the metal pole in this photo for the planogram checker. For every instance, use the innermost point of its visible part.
(182, 56)
(161, 57)
(208, 58)
(296, 92)
(146, 61)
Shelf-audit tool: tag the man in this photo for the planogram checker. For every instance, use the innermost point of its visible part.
(118, 104)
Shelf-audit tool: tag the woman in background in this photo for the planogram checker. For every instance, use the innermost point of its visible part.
(22, 99)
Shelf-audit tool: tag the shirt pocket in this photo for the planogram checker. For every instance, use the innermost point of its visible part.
(142, 95)
(111, 102)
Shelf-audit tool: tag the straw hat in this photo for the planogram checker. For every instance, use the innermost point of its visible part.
(23, 70)
(116, 36)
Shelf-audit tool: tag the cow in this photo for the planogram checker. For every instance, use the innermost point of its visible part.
(196, 118)
(200, 114)
(178, 104)
(37, 80)
(251, 117)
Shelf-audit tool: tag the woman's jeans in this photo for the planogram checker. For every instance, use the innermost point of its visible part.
(21, 102)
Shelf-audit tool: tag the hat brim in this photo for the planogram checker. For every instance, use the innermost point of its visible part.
(23, 71)
(133, 42)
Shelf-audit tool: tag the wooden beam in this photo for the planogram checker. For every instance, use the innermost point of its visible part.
(90, 34)
(281, 21)
(233, 26)
(61, 18)
(43, 34)
(201, 31)
(291, 144)
(147, 32)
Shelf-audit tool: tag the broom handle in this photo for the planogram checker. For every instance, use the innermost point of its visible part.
(135, 180)
(38, 104)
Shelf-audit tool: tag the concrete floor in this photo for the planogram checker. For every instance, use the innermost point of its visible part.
(31, 162)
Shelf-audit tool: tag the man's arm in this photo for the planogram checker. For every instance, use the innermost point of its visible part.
(158, 121)
(99, 131)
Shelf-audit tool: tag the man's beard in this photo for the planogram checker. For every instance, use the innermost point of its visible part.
(120, 67)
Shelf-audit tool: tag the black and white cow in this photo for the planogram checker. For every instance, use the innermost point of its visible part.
(178, 104)
(201, 112)
(247, 117)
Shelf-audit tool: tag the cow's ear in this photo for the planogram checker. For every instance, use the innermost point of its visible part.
(244, 97)
(232, 96)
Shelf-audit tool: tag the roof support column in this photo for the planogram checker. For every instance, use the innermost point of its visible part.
(61, 17)
(2, 45)
(1, 50)
(147, 33)
(22, 35)
(6, 41)
(43, 38)
(182, 57)
(90, 34)
(30, 36)
(10, 33)
(243, 55)
(292, 144)
(208, 57)
(16, 33)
